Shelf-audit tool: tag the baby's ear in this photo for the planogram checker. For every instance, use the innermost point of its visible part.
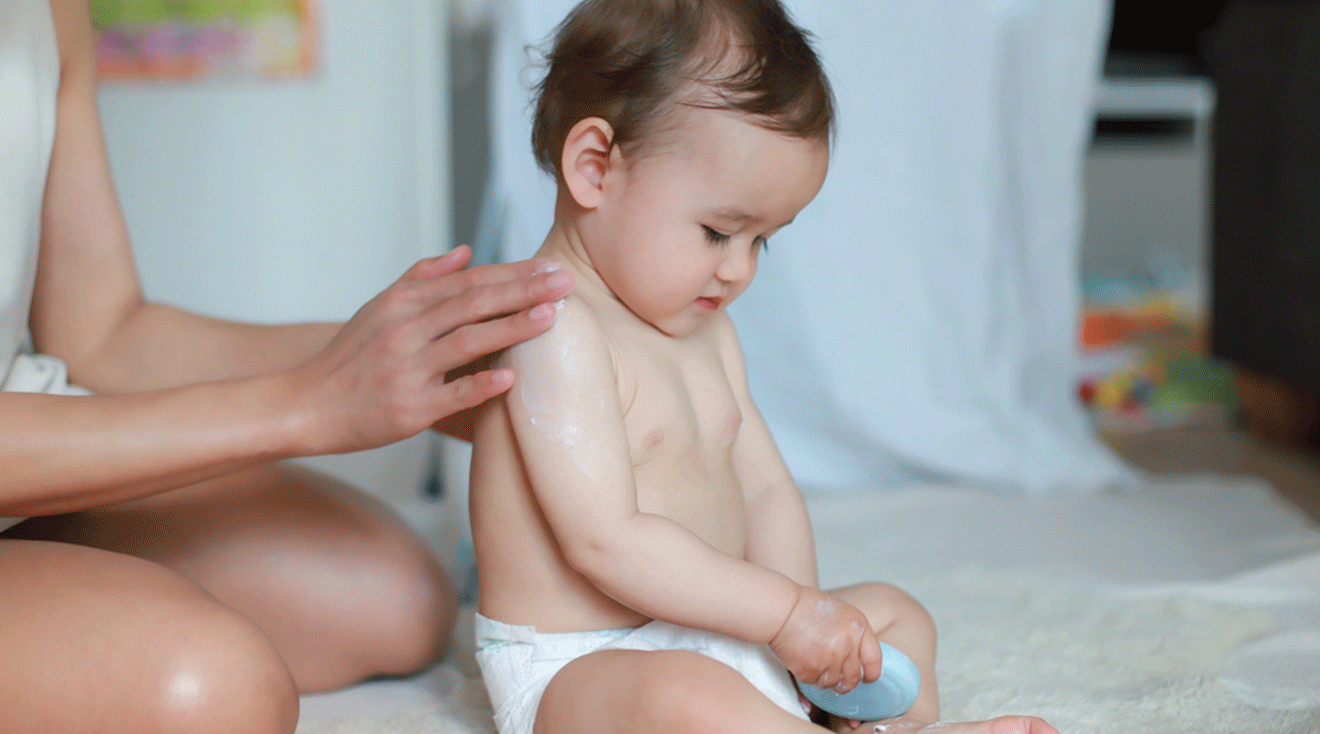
(586, 160)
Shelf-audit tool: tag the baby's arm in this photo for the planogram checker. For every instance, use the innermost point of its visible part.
(779, 532)
(566, 415)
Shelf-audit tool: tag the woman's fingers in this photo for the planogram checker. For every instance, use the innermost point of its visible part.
(434, 267)
(438, 287)
(382, 377)
(474, 340)
(485, 302)
(473, 390)
(440, 305)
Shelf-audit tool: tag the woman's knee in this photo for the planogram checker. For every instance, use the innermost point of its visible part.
(404, 604)
(158, 652)
(225, 677)
(413, 604)
(333, 577)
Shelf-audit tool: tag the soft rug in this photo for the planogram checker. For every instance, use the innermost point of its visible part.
(1087, 661)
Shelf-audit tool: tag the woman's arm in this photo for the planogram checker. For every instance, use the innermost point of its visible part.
(88, 307)
(197, 398)
(379, 380)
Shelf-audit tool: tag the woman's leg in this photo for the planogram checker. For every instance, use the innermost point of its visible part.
(645, 692)
(92, 641)
(336, 581)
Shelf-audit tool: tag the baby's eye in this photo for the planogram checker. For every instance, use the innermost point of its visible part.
(763, 244)
(716, 238)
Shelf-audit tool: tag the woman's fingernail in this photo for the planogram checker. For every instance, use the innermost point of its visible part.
(559, 280)
(542, 312)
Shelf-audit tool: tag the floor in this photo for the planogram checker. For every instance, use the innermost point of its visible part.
(1294, 473)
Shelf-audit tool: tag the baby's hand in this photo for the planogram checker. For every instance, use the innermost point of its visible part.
(827, 643)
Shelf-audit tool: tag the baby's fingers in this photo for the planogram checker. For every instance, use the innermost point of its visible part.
(871, 657)
(851, 673)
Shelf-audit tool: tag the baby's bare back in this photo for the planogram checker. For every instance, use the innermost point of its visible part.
(680, 419)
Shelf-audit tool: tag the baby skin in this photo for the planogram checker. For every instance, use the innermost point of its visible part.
(628, 476)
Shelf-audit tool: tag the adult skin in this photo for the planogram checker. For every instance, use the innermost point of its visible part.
(172, 577)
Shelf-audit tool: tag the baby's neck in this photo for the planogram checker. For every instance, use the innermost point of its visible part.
(564, 245)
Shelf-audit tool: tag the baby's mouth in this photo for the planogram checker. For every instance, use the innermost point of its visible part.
(710, 302)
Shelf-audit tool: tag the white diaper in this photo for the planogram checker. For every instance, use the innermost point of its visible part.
(518, 663)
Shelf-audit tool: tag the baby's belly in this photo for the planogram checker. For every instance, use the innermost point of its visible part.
(707, 503)
(526, 580)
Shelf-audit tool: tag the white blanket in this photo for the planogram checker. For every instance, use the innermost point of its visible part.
(1190, 606)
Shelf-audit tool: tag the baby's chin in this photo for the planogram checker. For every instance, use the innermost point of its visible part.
(686, 327)
(677, 325)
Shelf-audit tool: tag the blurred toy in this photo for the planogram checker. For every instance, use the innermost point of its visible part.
(1144, 361)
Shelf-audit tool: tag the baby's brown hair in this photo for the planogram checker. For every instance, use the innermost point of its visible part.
(634, 62)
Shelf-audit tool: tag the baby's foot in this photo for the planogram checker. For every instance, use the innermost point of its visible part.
(1001, 725)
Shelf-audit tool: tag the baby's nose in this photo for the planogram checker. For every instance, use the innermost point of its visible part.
(738, 265)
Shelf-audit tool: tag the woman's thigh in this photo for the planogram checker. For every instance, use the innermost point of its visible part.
(92, 641)
(658, 692)
(331, 575)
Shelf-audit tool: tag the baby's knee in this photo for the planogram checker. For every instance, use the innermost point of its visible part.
(690, 692)
(886, 606)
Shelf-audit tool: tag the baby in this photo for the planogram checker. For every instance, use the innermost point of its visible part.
(646, 561)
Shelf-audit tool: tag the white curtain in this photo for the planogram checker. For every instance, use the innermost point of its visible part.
(918, 320)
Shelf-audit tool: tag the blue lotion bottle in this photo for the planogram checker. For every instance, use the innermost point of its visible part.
(892, 694)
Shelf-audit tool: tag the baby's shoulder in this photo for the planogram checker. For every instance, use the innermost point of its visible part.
(577, 341)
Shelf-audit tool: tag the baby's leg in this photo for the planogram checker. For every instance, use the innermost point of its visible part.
(658, 692)
(901, 621)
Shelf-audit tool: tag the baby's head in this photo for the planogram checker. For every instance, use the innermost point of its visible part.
(683, 133)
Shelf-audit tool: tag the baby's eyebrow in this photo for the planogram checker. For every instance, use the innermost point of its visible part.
(738, 215)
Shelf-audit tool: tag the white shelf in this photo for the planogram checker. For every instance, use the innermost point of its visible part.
(1163, 96)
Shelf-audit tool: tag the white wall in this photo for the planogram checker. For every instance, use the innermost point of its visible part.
(270, 200)
(276, 200)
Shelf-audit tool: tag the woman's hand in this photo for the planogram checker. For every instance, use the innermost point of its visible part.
(382, 378)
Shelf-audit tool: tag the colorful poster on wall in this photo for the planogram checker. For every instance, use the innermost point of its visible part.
(182, 39)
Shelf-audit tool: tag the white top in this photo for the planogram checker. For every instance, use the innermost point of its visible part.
(29, 80)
